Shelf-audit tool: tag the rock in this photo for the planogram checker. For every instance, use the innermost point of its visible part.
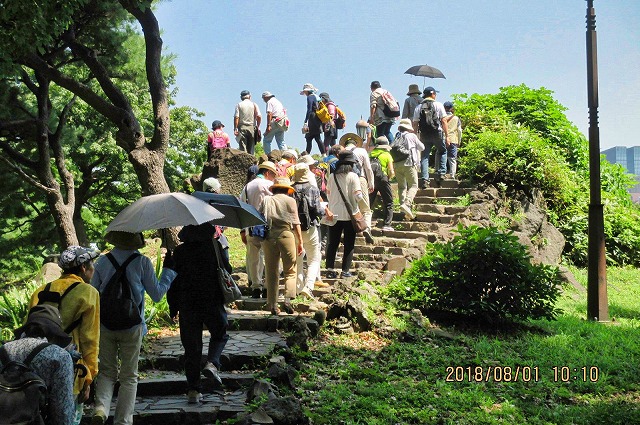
(262, 388)
(285, 411)
(48, 273)
(567, 276)
(282, 374)
(229, 166)
(260, 417)
(397, 264)
(300, 334)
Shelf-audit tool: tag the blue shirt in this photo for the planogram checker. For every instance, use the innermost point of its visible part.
(141, 275)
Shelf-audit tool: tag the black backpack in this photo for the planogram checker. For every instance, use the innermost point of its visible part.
(55, 298)
(23, 394)
(305, 212)
(400, 149)
(118, 310)
(376, 167)
(429, 122)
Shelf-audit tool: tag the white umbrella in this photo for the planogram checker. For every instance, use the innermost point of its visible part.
(163, 211)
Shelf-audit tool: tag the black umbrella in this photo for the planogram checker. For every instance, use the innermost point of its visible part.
(236, 213)
(425, 71)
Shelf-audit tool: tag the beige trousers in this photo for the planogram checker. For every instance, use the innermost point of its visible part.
(276, 248)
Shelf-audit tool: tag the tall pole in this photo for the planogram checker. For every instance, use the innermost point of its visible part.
(597, 306)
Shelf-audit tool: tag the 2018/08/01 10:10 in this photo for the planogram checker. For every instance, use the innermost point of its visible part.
(519, 373)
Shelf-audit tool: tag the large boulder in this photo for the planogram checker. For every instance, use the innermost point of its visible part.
(229, 166)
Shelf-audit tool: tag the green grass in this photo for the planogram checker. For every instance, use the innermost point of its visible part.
(366, 379)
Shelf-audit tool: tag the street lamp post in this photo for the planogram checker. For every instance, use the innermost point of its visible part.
(597, 305)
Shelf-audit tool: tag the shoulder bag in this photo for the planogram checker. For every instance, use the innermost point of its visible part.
(229, 287)
(357, 219)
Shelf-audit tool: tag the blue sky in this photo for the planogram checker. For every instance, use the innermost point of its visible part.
(223, 47)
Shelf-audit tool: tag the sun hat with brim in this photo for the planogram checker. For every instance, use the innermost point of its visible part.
(267, 94)
(413, 89)
(125, 240)
(197, 233)
(48, 317)
(268, 165)
(347, 157)
(405, 124)
(307, 159)
(76, 255)
(382, 142)
(352, 138)
(290, 153)
(301, 173)
(282, 183)
(308, 87)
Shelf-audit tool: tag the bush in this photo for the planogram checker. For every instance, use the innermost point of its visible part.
(482, 274)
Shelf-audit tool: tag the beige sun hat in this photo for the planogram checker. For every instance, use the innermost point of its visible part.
(351, 137)
(308, 87)
(268, 165)
(282, 183)
(405, 124)
(301, 173)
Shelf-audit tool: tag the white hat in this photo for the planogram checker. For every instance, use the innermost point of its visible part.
(308, 87)
(405, 124)
(211, 185)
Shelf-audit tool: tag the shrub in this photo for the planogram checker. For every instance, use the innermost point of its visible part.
(482, 274)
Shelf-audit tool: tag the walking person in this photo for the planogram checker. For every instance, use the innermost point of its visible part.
(454, 137)
(312, 128)
(283, 242)
(377, 115)
(246, 122)
(120, 348)
(406, 170)
(383, 172)
(42, 344)
(307, 196)
(197, 296)
(277, 123)
(329, 128)
(428, 120)
(337, 215)
(414, 99)
(253, 193)
(79, 307)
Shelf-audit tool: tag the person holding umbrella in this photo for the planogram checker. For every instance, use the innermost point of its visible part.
(414, 99)
(120, 348)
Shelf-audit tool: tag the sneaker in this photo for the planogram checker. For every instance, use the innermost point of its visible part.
(388, 229)
(424, 184)
(331, 274)
(406, 209)
(99, 418)
(306, 293)
(193, 397)
(345, 275)
(368, 236)
(320, 284)
(211, 372)
(256, 293)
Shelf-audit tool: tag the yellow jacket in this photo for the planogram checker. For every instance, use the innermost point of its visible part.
(82, 302)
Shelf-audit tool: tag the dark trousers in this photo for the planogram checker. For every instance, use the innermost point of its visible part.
(309, 138)
(333, 241)
(384, 129)
(383, 187)
(215, 319)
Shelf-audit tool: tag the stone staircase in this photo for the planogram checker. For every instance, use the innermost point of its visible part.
(256, 336)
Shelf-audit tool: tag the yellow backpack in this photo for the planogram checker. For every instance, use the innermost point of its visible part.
(323, 113)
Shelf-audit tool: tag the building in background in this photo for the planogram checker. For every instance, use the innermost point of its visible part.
(629, 158)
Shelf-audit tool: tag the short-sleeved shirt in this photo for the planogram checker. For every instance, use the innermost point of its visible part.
(255, 191)
(440, 111)
(275, 107)
(246, 111)
(376, 99)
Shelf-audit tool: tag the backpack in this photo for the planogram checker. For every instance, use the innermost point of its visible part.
(376, 167)
(118, 310)
(216, 140)
(305, 212)
(400, 149)
(341, 119)
(281, 169)
(322, 113)
(429, 122)
(391, 106)
(23, 394)
(55, 298)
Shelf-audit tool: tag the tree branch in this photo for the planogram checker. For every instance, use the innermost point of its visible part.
(17, 156)
(24, 176)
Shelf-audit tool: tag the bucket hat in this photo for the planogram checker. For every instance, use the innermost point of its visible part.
(217, 124)
(347, 157)
(308, 87)
(282, 183)
(382, 142)
(125, 240)
(405, 124)
(301, 173)
(413, 89)
(268, 165)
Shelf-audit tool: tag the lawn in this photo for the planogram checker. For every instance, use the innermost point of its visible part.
(568, 371)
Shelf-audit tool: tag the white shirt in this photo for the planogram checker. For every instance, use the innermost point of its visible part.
(365, 162)
(255, 191)
(350, 185)
(275, 107)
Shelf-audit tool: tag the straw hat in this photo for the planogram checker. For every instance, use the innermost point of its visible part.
(282, 183)
(125, 240)
(413, 89)
(405, 124)
(307, 159)
(268, 165)
(301, 173)
(351, 137)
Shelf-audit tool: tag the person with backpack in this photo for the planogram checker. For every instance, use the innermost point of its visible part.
(122, 319)
(277, 122)
(196, 295)
(413, 99)
(429, 120)
(307, 197)
(383, 110)
(405, 151)
(454, 137)
(79, 307)
(312, 128)
(382, 166)
(37, 363)
(217, 138)
(329, 128)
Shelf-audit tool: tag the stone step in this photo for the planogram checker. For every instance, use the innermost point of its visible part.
(215, 407)
(443, 192)
(373, 249)
(440, 208)
(358, 264)
(244, 349)
(162, 382)
(418, 225)
(401, 234)
(444, 200)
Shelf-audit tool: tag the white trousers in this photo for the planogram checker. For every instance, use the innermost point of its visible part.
(311, 244)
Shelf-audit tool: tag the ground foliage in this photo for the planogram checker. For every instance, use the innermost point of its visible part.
(520, 138)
